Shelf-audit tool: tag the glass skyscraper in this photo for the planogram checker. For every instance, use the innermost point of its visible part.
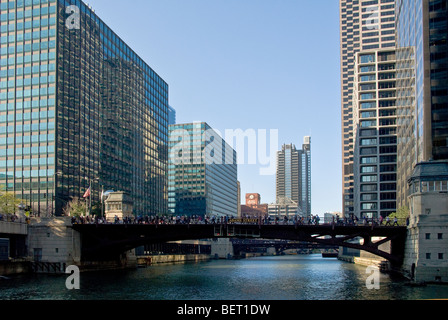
(203, 172)
(422, 86)
(78, 107)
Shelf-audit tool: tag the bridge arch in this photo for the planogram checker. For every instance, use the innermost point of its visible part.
(103, 241)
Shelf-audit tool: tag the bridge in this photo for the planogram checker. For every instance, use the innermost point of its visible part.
(105, 241)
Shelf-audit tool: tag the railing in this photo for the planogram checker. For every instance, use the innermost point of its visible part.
(246, 221)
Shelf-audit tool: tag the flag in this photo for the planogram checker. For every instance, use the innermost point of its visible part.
(87, 194)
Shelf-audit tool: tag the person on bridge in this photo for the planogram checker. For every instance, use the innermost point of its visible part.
(395, 222)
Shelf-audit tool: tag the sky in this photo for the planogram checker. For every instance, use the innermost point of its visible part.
(249, 65)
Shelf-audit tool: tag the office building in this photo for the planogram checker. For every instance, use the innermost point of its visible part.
(422, 86)
(364, 25)
(203, 172)
(171, 115)
(375, 133)
(293, 180)
(78, 108)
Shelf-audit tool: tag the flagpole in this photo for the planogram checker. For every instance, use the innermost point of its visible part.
(90, 198)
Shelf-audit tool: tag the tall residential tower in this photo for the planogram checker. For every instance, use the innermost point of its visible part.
(364, 25)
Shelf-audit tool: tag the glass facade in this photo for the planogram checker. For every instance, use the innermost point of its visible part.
(203, 172)
(77, 106)
(422, 33)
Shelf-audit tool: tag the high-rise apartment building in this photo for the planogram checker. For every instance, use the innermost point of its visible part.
(203, 172)
(422, 86)
(364, 25)
(293, 178)
(78, 107)
(375, 132)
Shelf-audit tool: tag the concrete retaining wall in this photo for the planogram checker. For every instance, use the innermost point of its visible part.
(171, 258)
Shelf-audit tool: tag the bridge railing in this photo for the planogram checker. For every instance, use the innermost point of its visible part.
(245, 221)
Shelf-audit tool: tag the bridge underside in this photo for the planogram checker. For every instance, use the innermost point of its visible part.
(106, 241)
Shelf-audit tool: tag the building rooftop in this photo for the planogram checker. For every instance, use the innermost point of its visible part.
(431, 170)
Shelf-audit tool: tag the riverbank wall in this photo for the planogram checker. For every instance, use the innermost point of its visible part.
(10, 268)
(143, 261)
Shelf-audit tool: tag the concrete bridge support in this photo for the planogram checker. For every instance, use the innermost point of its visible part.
(426, 250)
(53, 245)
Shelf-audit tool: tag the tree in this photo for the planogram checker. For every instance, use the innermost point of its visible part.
(9, 203)
(402, 213)
(75, 208)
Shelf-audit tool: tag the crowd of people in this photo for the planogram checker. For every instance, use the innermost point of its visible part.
(266, 220)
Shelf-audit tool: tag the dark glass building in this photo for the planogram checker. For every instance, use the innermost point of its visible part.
(422, 86)
(78, 107)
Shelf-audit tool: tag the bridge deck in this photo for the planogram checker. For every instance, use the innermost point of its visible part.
(122, 237)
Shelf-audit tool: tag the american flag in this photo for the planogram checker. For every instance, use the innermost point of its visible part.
(87, 194)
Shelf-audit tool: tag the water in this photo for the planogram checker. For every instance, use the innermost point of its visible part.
(265, 278)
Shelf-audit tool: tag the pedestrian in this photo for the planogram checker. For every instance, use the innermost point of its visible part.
(396, 222)
(387, 221)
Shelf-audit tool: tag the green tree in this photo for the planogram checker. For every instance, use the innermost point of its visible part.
(9, 203)
(75, 208)
(402, 213)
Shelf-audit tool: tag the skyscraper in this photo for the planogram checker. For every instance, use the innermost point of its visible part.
(203, 172)
(364, 25)
(78, 108)
(422, 89)
(293, 180)
(375, 132)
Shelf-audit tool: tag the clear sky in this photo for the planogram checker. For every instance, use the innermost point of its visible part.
(248, 64)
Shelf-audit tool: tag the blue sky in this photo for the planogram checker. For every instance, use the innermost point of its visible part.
(247, 64)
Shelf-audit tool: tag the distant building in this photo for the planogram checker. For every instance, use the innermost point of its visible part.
(254, 208)
(203, 172)
(284, 207)
(293, 180)
(171, 115)
(330, 217)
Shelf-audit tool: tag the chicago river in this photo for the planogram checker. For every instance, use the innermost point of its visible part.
(298, 277)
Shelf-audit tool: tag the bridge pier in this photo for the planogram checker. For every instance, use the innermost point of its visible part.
(53, 245)
(426, 249)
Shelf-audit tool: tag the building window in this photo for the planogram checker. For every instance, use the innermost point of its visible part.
(440, 256)
(428, 236)
(428, 256)
(440, 236)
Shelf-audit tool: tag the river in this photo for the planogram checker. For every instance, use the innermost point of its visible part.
(300, 277)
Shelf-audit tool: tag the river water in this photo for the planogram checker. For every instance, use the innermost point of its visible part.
(302, 277)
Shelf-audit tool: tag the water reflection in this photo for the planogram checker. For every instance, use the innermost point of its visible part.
(266, 278)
